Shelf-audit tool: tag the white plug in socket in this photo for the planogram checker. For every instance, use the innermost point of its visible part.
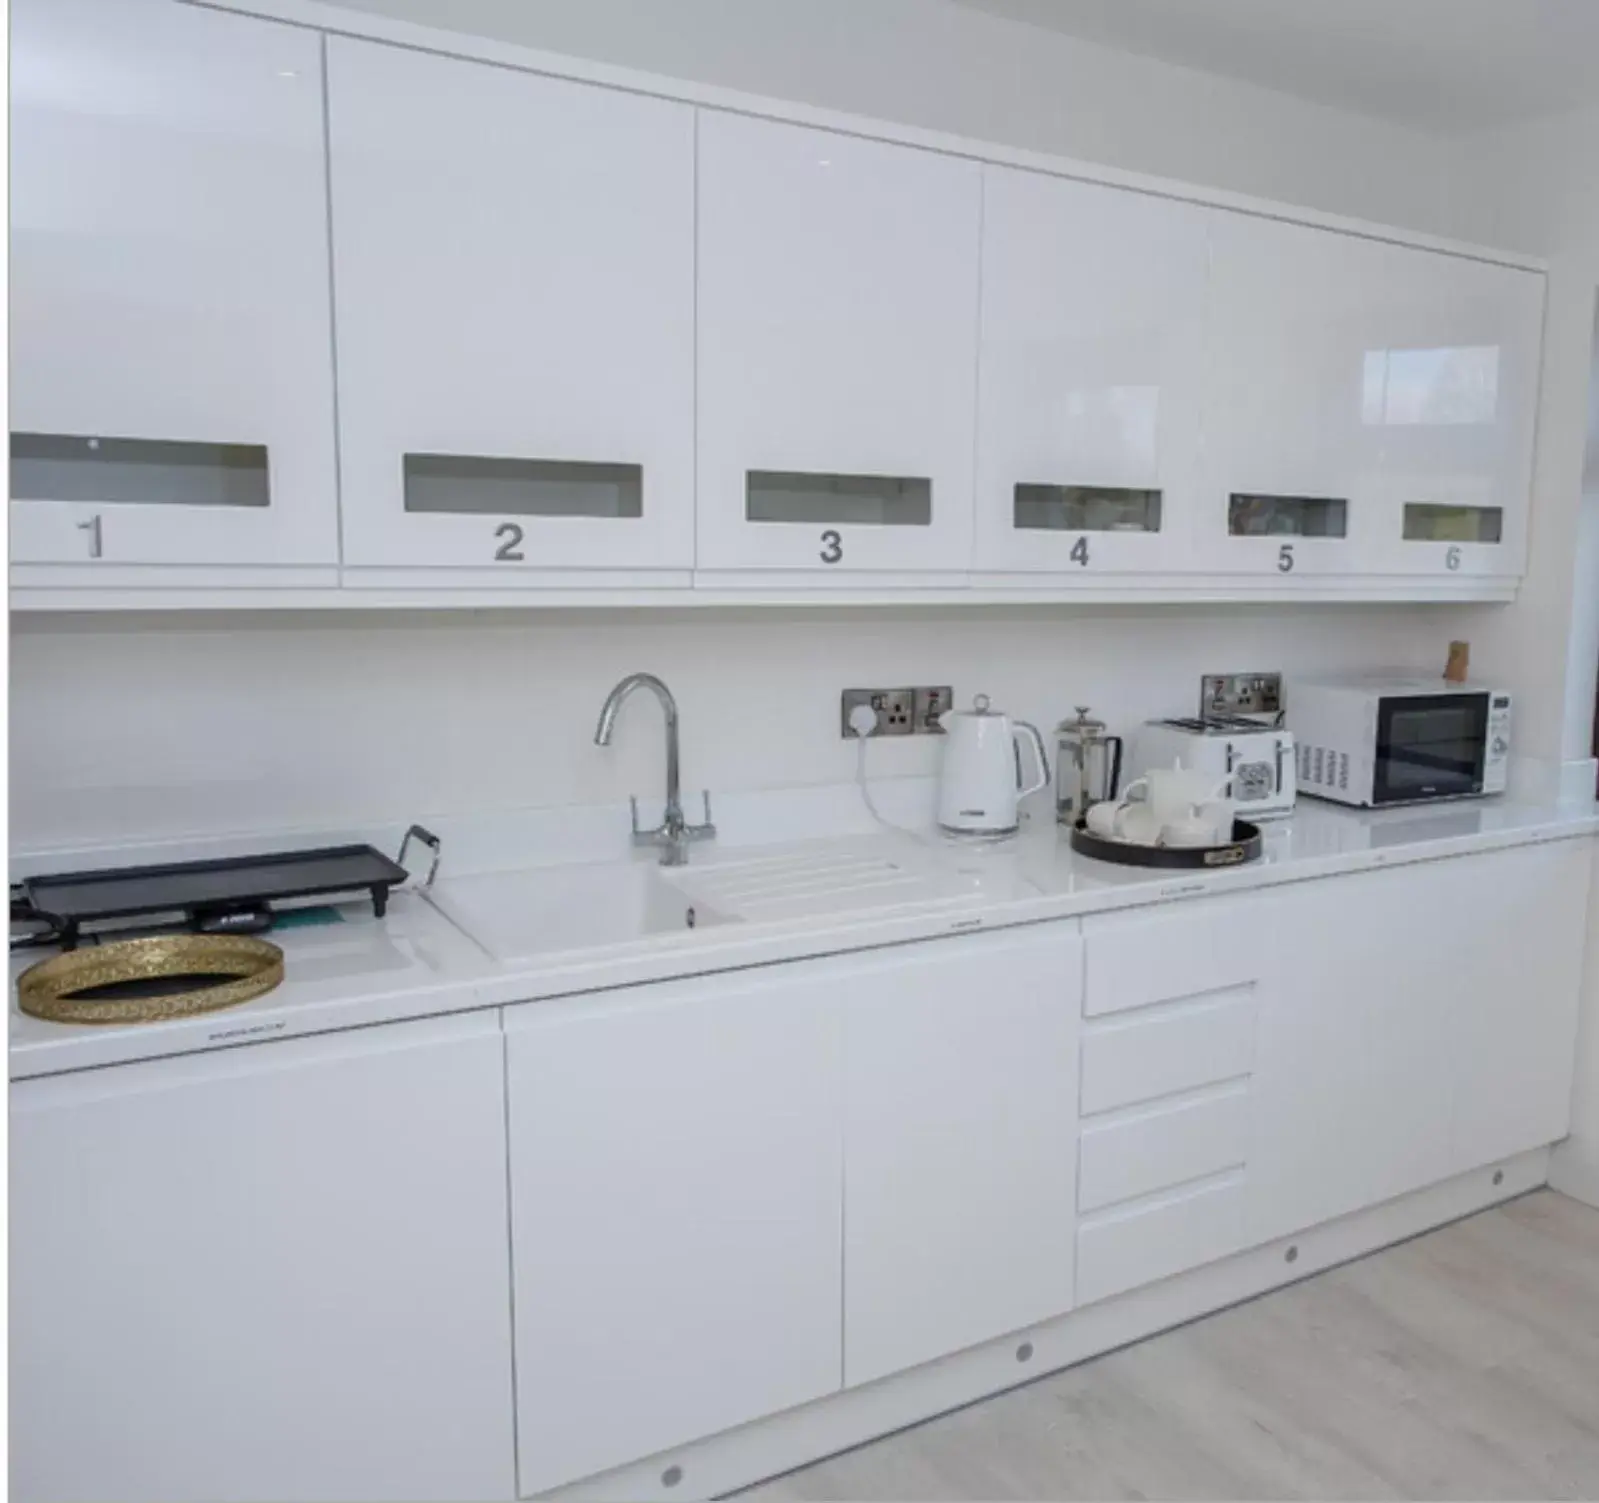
(863, 720)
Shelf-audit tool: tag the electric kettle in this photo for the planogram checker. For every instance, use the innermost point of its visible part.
(982, 782)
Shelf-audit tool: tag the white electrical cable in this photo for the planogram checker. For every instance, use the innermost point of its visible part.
(865, 786)
(863, 721)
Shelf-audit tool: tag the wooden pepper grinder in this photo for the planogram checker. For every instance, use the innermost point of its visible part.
(1458, 668)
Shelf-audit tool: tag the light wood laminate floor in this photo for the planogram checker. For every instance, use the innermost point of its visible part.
(1463, 1364)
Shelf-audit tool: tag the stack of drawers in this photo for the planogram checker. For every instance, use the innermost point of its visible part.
(1168, 1057)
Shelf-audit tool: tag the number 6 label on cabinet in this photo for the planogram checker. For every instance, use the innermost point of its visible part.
(1452, 559)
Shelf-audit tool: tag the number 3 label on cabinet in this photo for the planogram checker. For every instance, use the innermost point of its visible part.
(837, 353)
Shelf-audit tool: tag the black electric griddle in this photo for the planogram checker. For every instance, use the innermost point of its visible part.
(208, 893)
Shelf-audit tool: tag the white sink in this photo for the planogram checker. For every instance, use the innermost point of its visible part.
(550, 910)
(836, 879)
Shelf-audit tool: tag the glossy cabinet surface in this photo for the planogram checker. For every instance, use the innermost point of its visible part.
(1293, 312)
(1438, 1042)
(1451, 389)
(960, 1128)
(274, 1272)
(594, 343)
(837, 349)
(171, 359)
(1513, 1027)
(1090, 378)
(676, 1188)
(513, 263)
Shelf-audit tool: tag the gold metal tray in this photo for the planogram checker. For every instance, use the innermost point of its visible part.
(54, 988)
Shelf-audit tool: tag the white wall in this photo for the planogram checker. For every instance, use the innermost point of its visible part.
(152, 728)
(943, 67)
(1545, 180)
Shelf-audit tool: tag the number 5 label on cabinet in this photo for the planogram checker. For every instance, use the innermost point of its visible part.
(514, 289)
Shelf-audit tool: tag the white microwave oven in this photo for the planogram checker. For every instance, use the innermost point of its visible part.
(1382, 740)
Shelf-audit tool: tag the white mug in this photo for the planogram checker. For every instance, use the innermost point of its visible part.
(1137, 823)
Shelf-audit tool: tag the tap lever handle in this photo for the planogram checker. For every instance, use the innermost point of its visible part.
(632, 804)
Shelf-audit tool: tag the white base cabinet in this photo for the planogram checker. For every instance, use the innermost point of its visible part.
(281, 1272)
(270, 1273)
(960, 1127)
(675, 1194)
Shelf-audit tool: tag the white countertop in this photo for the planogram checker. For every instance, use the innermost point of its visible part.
(510, 932)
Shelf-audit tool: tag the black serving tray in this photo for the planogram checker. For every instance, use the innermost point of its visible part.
(1246, 845)
(207, 892)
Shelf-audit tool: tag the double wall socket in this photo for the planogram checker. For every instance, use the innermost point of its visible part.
(899, 712)
(1241, 694)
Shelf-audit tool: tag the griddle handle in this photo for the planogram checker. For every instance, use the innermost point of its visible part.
(423, 836)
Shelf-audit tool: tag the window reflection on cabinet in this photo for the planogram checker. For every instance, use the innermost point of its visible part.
(842, 500)
(1438, 387)
(136, 471)
(469, 485)
(1253, 516)
(1086, 508)
(1453, 524)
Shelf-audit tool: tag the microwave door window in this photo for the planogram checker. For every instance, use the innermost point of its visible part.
(1430, 747)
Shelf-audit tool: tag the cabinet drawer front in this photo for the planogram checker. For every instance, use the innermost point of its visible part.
(1170, 1049)
(1162, 1146)
(1153, 1240)
(1133, 962)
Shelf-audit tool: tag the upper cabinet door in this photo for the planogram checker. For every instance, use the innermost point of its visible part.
(514, 286)
(837, 353)
(1289, 476)
(1450, 393)
(171, 365)
(1093, 312)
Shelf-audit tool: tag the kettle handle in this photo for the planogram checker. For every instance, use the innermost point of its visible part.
(1025, 730)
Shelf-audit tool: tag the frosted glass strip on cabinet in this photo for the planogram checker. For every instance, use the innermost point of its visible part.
(1086, 508)
(136, 471)
(465, 484)
(1253, 516)
(1453, 524)
(849, 500)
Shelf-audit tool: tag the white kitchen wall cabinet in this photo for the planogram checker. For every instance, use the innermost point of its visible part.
(267, 1272)
(676, 1186)
(514, 292)
(1289, 481)
(960, 1143)
(838, 284)
(171, 367)
(1450, 392)
(1090, 378)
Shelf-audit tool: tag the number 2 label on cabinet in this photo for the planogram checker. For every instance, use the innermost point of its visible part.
(510, 549)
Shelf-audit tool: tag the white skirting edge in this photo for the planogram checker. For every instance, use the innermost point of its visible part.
(765, 1448)
(1574, 1175)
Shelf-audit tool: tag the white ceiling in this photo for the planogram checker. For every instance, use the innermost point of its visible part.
(1448, 65)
